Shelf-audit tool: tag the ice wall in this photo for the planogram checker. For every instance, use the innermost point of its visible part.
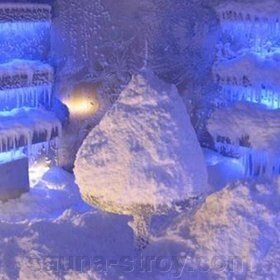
(255, 24)
(22, 28)
(249, 132)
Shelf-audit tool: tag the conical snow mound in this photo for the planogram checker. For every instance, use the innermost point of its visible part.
(144, 152)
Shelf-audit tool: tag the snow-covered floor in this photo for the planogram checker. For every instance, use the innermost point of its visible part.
(50, 233)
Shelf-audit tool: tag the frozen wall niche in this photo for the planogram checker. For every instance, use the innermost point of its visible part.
(27, 128)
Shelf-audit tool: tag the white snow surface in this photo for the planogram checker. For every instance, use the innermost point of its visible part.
(25, 122)
(144, 151)
(238, 227)
(44, 230)
(262, 125)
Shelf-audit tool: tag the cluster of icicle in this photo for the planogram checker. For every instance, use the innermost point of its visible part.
(263, 96)
(235, 89)
(259, 163)
(22, 125)
(257, 24)
(19, 87)
(255, 163)
(29, 97)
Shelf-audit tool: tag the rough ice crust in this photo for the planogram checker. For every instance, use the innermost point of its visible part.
(263, 126)
(143, 152)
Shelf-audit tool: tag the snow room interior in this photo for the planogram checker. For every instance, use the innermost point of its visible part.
(139, 139)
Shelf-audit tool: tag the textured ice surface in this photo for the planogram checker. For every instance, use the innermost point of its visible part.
(25, 83)
(250, 77)
(251, 23)
(143, 152)
(24, 31)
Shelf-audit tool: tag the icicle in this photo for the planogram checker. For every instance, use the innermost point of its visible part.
(28, 97)
(265, 96)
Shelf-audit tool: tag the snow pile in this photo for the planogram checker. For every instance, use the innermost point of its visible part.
(20, 126)
(262, 126)
(143, 152)
(234, 235)
(237, 230)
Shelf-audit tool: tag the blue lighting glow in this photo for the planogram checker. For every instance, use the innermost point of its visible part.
(268, 98)
(259, 37)
(17, 40)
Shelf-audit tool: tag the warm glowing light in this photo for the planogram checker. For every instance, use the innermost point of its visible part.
(83, 102)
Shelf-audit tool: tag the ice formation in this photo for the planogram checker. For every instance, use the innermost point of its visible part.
(26, 68)
(144, 155)
(23, 17)
(24, 31)
(255, 23)
(21, 127)
(25, 83)
(250, 77)
(258, 128)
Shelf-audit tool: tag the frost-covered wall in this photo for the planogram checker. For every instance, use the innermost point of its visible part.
(246, 70)
(99, 44)
(23, 28)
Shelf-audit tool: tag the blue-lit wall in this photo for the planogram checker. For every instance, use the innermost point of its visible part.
(17, 40)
